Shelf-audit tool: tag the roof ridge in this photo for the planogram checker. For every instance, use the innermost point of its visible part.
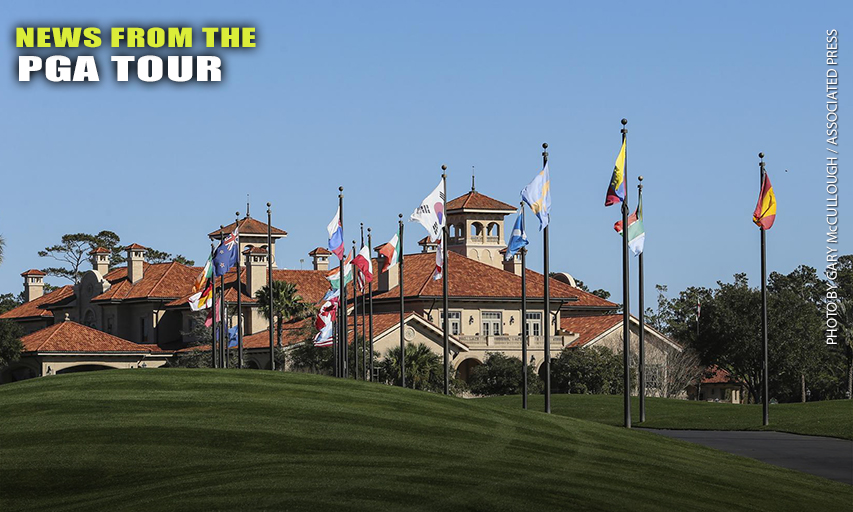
(171, 266)
(61, 325)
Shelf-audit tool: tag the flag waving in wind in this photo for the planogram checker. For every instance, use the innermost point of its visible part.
(365, 267)
(517, 239)
(226, 254)
(202, 297)
(334, 276)
(439, 261)
(431, 212)
(616, 189)
(636, 232)
(537, 195)
(391, 251)
(336, 235)
(765, 210)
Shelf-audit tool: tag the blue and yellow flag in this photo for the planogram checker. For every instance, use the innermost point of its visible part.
(537, 195)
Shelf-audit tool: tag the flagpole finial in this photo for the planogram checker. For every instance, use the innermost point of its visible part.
(544, 145)
(472, 179)
(624, 121)
(760, 155)
(640, 185)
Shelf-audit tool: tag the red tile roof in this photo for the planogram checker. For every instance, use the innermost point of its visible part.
(99, 250)
(716, 375)
(35, 308)
(73, 337)
(248, 226)
(159, 281)
(136, 247)
(588, 327)
(33, 272)
(470, 278)
(254, 250)
(320, 251)
(312, 285)
(476, 201)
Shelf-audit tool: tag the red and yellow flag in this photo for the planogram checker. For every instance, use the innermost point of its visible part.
(765, 210)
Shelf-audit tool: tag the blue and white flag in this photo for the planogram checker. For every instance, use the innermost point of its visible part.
(336, 235)
(517, 239)
(537, 195)
(232, 337)
(226, 254)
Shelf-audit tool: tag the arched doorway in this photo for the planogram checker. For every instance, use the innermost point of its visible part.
(466, 366)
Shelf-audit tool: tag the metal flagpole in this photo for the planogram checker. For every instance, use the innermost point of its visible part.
(642, 364)
(547, 304)
(402, 306)
(445, 230)
(765, 377)
(342, 339)
(364, 317)
(354, 318)
(626, 291)
(239, 297)
(223, 335)
(524, 333)
(370, 300)
(269, 282)
(213, 359)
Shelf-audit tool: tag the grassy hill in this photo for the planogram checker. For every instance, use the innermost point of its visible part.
(206, 439)
(832, 418)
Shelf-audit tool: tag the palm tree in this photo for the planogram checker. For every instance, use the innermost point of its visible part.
(424, 369)
(287, 305)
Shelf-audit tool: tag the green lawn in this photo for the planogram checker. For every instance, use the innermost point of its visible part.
(236, 440)
(833, 418)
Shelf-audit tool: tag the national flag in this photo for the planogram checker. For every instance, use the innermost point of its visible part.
(325, 319)
(431, 212)
(334, 275)
(439, 261)
(391, 251)
(232, 337)
(537, 195)
(616, 189)
(636, 232)
(226, 254)
(202, 299)
(365, 267)
(336, 235)
(517, 239)
(765, 210)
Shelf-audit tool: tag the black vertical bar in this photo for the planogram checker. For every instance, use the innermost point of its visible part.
(642, 353)
(547, 303)
(213, 358)
(223, 334)
(269, 282)
(354, 317)
(626, 291)
(524, 333)
(364, 317)
(239, 297)
(765, 376)
(342, 345)
(370, 299)
(402, 307)
(444, 234)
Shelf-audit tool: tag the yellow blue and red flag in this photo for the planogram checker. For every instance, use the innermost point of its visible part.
(765, 210)
(616, 189)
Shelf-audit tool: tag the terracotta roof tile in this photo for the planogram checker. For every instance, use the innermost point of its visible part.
(35, 308)
(312, 285)
(321, 251)
(135, 246)
(716, 375)
(159, 281)
(73, 337)
(476, 201)
(99, 250)
(588, 327)
(254, 250)
(33, 272)
(248, 226)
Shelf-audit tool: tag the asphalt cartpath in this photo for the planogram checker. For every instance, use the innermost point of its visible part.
(822, 456)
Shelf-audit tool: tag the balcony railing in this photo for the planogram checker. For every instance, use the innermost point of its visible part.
(493, 239)
(512, 342)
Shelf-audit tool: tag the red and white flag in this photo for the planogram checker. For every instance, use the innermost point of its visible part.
(364, 266)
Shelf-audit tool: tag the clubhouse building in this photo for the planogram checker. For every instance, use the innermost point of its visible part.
(137, 315)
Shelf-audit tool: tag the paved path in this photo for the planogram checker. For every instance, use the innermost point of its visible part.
(822, 456)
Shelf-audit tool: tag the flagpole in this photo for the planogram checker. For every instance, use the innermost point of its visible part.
(342, 339)
(642, 352)
(626, 291)
(364, 317)
(402, 307)
(444, 234)
(370, 299)
(269, 282)
(547, 304)
(222, 311)
(213, 358)
(523, 317)
(239, 297)
(354, 318)
(765, 388)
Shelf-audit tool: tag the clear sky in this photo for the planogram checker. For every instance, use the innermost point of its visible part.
(376, 96)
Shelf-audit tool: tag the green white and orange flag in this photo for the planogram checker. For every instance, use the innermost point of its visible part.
(636, 232)
(334, 275)
(202, 297)
(765, 210)
(391, 251)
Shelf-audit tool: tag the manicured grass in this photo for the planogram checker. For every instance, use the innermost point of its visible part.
(832, 418)
(237, 440)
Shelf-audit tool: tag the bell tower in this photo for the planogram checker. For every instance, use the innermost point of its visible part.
(476, 225)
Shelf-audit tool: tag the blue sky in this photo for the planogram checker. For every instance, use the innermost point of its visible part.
(376, 96)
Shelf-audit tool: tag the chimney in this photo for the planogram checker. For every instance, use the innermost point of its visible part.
(513, 264)
(256, 269)
(320, 257)
(135, 262)
(33, 284)
(388, 279)
(100, 260)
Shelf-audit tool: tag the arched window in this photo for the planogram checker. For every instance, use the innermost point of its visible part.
(476, 229)
(494, 229)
